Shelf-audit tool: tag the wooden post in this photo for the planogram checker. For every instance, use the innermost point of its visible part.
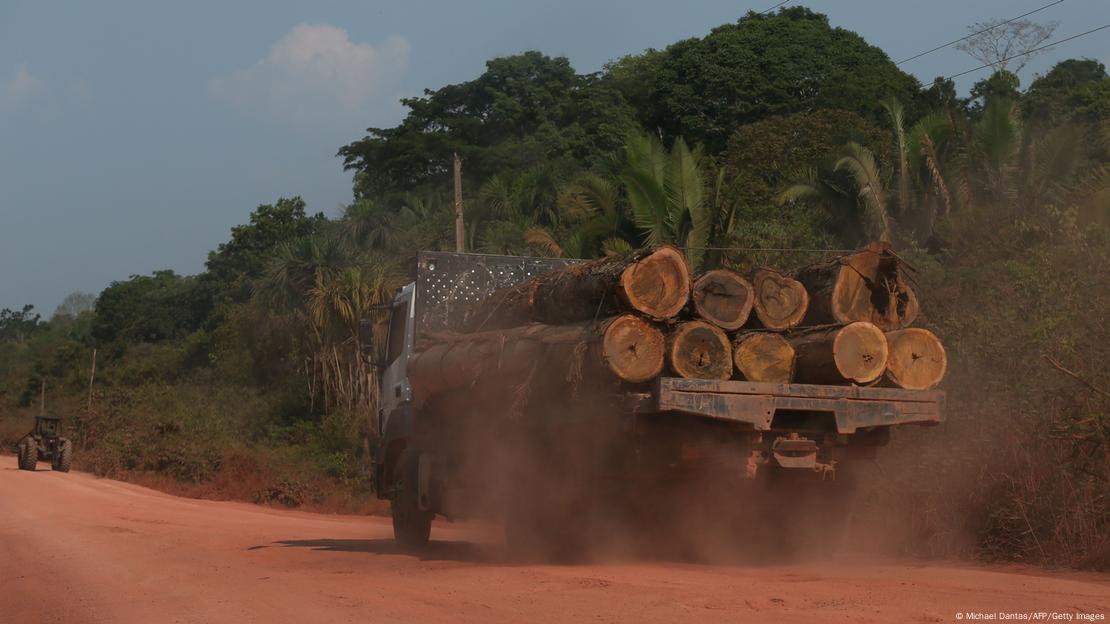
(92, 377)
(460, 236)
(42, 398)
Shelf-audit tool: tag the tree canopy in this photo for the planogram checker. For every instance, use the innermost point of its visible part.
(523, 110)
(763, 65)
(150, 308)
(1074, 89)
(234, 263)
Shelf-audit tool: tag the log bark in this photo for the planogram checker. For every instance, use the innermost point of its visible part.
(764, 356)
(780, 301)
(624, 348)
(867, 285)
(855, 353)
(917, 359)
(699, 350)
(654, 282)
(723, 298)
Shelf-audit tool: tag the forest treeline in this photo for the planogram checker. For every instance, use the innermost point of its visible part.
(769, 135)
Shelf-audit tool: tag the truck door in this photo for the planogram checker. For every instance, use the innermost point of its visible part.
(395, 386)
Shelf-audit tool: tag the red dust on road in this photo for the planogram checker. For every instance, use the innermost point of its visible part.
(77, 549)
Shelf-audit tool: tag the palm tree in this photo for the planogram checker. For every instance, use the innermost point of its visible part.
(370, 224)
(667, 194)
(508, 206)
(853, 190)
(589, 213)
(326, 285)
(897, 123)
(860, 163)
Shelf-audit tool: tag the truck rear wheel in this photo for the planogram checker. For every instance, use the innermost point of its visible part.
(412, 526)
(64, 457)
(28, 454)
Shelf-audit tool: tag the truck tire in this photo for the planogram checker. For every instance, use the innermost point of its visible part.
(64, 458)
(412, 526)
(28, 454)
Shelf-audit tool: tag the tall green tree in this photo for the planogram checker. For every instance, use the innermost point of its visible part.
(667, 194)
(234, 264)
(324, 286)
(762, 65)
(523, 111)
(17, 326)
(151, 308)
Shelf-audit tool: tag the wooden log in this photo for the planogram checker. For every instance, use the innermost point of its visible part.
(856, 352)
(867, 285)
(764, 356)
(654, 282)
(448, 361)
(699, 350)
(623, 348)
(723, 298)
(780, 301)
(917, 358)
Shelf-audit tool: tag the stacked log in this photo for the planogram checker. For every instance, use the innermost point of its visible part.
(652, 282)
(780, 302)
(843, 321)
(624, 348)
(917, 359)
(764, 356)
(699, 350)
(867, 285)
(855, 353)
(723, 298)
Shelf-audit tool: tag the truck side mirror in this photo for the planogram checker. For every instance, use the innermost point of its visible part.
(366, 341)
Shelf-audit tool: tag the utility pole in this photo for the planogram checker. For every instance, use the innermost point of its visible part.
(92, 377)
(460, 237)
(42, 398)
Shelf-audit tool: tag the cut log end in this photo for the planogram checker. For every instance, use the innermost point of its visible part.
(657, 285)
(867, 285)
(860, 352)
(698, 350)
(763, 356)
(633, 349)
(780, 301)
(917, 359)
(723, 298)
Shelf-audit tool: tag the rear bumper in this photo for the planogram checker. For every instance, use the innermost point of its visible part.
(756, 403)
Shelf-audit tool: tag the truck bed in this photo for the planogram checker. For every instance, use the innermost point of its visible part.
(756, 404)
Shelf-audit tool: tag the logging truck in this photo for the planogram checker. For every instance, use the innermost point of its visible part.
(562, 397)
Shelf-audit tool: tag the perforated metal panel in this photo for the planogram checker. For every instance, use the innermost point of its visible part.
(446, 281)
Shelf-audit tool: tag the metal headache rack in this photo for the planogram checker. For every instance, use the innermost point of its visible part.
(446, 282)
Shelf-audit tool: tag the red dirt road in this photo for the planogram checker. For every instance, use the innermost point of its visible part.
(75, 549)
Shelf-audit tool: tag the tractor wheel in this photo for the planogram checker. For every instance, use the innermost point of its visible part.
(412, 526)
(28, 454)
(64, 456)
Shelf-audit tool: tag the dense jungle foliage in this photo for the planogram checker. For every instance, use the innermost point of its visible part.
(771, 134)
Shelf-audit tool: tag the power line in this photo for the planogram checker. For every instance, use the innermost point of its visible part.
(1036, 49)
(786, 249)
(941, 47)
(784, 2)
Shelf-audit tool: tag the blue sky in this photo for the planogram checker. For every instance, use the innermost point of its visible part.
(133, 135)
